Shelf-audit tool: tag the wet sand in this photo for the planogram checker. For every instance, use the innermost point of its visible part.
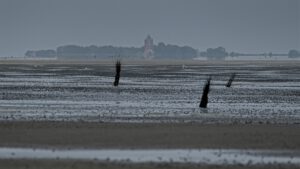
(156, 135)
(70, 164)
(134, 136)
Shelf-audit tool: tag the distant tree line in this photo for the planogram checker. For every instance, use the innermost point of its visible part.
(294, 53)
(89, 52)
(215, 53)
(94, 52)
(161, 51)
(41, 53)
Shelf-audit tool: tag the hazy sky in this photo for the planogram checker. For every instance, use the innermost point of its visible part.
(237, 25)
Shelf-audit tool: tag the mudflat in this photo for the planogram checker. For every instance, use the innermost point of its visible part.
(148, 135)
(61, 105)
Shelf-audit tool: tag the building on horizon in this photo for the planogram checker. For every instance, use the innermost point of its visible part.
(148, 48)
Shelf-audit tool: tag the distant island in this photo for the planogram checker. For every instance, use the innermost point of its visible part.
(148, 51)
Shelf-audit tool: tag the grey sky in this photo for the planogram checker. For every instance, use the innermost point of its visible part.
(238, 25)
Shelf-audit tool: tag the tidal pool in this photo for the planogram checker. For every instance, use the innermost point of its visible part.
(199, 156)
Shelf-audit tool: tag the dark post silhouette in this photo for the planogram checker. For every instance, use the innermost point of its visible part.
(230, 80)
(118, 71)
(204, 98)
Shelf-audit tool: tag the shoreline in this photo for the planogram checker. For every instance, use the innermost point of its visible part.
(149, 62)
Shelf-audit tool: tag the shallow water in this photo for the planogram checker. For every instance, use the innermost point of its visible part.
(201, 156)
(259, 94)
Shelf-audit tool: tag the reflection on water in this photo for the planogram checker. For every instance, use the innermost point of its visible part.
(202, 156)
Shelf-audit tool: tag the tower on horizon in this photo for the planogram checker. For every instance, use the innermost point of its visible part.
(148, 48)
